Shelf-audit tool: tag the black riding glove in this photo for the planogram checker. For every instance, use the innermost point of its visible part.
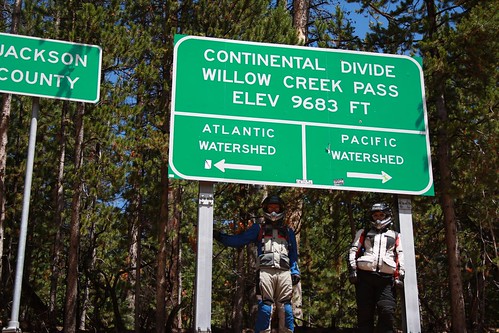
(217, 235)
(399, 282)
(353, 277)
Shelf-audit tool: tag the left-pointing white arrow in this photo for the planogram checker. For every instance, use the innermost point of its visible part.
(383, 176)
(221, 165)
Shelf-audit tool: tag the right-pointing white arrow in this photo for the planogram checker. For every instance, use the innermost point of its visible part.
(221, 165)
(384, 177)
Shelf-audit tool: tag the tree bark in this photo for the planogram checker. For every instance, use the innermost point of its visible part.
(74, 237)
(173, 268)
(458, 317)
(300, 19)
(300, 22)
(134, 260)
(59, 204)
(5, 109)
(169, 226)
(237, 314)
(162, 255)
(90, 261)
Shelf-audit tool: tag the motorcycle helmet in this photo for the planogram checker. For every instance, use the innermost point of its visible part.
(380, 221)
(273, 215)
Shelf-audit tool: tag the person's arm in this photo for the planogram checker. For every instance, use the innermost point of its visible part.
(242, 239)
(354, 248)
(352, 256)
(400, 256)
(293, 253)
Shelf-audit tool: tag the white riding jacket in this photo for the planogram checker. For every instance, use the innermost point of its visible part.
(380, 252)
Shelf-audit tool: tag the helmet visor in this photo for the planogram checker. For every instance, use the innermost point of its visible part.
(273, 207)
(378, 216)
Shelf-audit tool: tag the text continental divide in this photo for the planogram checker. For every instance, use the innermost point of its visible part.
(295, 62)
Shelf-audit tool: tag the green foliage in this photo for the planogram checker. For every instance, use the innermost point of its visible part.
(241, 20)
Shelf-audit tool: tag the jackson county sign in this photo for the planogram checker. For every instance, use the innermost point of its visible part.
(285, 115)
(49, 68)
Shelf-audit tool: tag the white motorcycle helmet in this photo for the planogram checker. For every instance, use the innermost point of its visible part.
(380, 221)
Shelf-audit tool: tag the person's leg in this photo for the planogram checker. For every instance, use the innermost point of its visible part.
(266, 287)
(366, 302)
(283, 295)
(386, 306)
(262, 324)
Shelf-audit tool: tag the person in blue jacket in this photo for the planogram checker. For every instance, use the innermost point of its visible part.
(277, 263)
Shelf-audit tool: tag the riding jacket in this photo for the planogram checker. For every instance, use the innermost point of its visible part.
(276, 245)
(377, 251)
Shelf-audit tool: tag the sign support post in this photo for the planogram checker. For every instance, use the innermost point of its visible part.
(14, 321)
(202, 309)
(411, 298)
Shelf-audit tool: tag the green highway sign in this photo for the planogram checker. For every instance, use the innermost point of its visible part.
(49, 68)
(285, 115)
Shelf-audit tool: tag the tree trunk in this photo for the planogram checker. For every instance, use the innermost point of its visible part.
(135, 263)
(85, 301)
(295, 213)
(237, 314)
(133, 293)
(173, 268)
(300, 19)
(90, 258)
(138, 265)
(161, 283)
(4, 125)
(5, 108)
(458, 317)
(169, 227)
(74, 237)
(59, 204)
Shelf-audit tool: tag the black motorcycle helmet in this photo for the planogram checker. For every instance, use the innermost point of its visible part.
(273, 216)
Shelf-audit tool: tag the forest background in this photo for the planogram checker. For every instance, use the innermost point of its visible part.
(111, 239)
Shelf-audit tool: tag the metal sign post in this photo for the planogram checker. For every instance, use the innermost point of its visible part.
(202, 309)
(411, 297)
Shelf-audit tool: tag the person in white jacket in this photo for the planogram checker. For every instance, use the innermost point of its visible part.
(376, 266)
